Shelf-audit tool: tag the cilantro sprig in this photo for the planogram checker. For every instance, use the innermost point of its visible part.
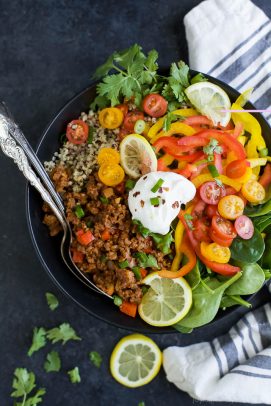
(24, 383)
(53, 362)
(74, 375)
(38, 340)
(62, 333)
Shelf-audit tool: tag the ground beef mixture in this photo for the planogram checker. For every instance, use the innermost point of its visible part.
(105, 210)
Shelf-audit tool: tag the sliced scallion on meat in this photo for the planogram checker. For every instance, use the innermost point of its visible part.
(213, 171)
(124, 264)
(137, 273)
(79, 212)
(157, 185)
(104, 200)
(130, 184)
(154, 201)
(117, 300)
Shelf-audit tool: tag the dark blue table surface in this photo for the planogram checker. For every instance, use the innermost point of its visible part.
(48, 52)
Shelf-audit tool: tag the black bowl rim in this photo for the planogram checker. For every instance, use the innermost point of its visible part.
(164, 330)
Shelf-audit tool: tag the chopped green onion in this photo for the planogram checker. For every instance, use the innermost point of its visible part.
(79, 212)
(90, 135)
(154, 201)
(103, 258)
(62, 138)
(124, 264)
(157, 185)
(213, 171)
(263, 152)
(144, 289)
(130, 184)
(89, 223)
(210, 158)
(117, 300)
(136, 271)
(104, 200)
(139, 127)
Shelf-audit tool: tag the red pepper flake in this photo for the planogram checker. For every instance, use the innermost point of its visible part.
(136, 194)
(145, 177)
(163, 201)
(175, 205)
(142, 203)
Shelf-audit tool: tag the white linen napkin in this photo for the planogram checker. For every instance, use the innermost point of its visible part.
(229, 40)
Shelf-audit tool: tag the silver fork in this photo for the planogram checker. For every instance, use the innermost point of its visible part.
(19, 154)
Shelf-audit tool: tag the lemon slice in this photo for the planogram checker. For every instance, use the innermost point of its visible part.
(166, 302)
(137, 156)
(135, 360)
(209, 99)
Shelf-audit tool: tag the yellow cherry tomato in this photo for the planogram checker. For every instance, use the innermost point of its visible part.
(215, 252)
(111, 174)
(230, 207)
(253, 191)
(108, 156)
(111, 118)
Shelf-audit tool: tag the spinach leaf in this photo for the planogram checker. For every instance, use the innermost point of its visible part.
(258, 210)
(262, 222)
(266, 258)
(251, 281)
(248, 251)
(233, 300)
(206, 301)
(181, 329)
(193, 277)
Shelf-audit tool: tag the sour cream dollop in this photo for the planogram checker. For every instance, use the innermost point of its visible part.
(174, 191)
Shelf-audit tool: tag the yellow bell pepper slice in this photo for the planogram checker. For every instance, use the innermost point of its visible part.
(175, 128)
(242, 139)
(185, 112)
(199, 180)
(246, 177)
(178, 237)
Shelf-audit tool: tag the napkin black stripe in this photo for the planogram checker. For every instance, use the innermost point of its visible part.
(260, 361)
(253, 74)
(264, 327)
(239, 332)
(250, 335)
(240, 372)
(230, 350)
(219, 363)
(246, 59)
(264, 99)
(238, 47)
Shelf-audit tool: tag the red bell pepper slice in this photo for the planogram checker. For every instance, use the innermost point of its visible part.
(198, 120)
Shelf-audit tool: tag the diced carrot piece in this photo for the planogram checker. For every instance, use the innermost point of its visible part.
(84, 237)
(105, 235)
(77, 256)
(128, 308)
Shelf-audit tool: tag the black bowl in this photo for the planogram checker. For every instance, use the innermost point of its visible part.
(48, 249)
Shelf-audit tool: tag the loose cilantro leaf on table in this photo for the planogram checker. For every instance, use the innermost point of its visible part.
(62, 333)
(53, 362)
(38, 340)
(74, 375)
(23, 384)
(51, 301)
(95, 358)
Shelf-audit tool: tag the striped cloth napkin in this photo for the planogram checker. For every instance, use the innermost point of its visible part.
(230, 40)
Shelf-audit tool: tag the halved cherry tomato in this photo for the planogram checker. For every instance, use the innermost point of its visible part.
(111, 174)
(108, 156)
(236, 168)
(211, 210)
(244, 227)
(155, 105)
(122, 133)
(230, 190)
(211, 192)
(224, 242)
(123, 108)
(215, 252)
(265, 179)
(111, 118)
(198, 209)
(253, 191)
(230, 207)
(131, 118)
(77, 132)
(222, 227)
(84, 237)
(201, 230)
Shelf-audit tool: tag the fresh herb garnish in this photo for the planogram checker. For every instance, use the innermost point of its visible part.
(157, 185)
(90, 135)
(62, 333)
(53, 362)
(189, 221)
(155, 201)
(198, 78)
(124, 264)
(117, 300)
(74, 375)
(170, 118)
(137, 273)
(104, 199)
(218, 182)
(213, 171)
(211, 148)
(95, 358)
(38, 340)
(23, 384)
(51, 301)
(162, 242)
(130, 184)
(146, 260)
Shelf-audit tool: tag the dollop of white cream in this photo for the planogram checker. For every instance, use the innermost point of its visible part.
(175, 191)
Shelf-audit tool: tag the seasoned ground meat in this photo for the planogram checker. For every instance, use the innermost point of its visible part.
(60, 177)
(52, 223)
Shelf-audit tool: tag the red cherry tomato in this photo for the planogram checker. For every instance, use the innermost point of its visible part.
(201, 230)
(211, 192)
(211, 211)
(123, 108)
(236, 168)
(222, 227)
(77, 131)
(131, 118)
(198, 209)
(230, 191)
(224, 242)
(155, 105)
(244, 227)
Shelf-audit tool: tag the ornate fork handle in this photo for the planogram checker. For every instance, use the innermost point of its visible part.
(12, 150)
(18, 135)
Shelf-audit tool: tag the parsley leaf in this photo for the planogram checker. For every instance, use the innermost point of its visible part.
(62, 333)
(24, 383)
(95, 358)
(52, 301)
(146, 260)
(74, 375)
(38, 340)
(53, 362)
